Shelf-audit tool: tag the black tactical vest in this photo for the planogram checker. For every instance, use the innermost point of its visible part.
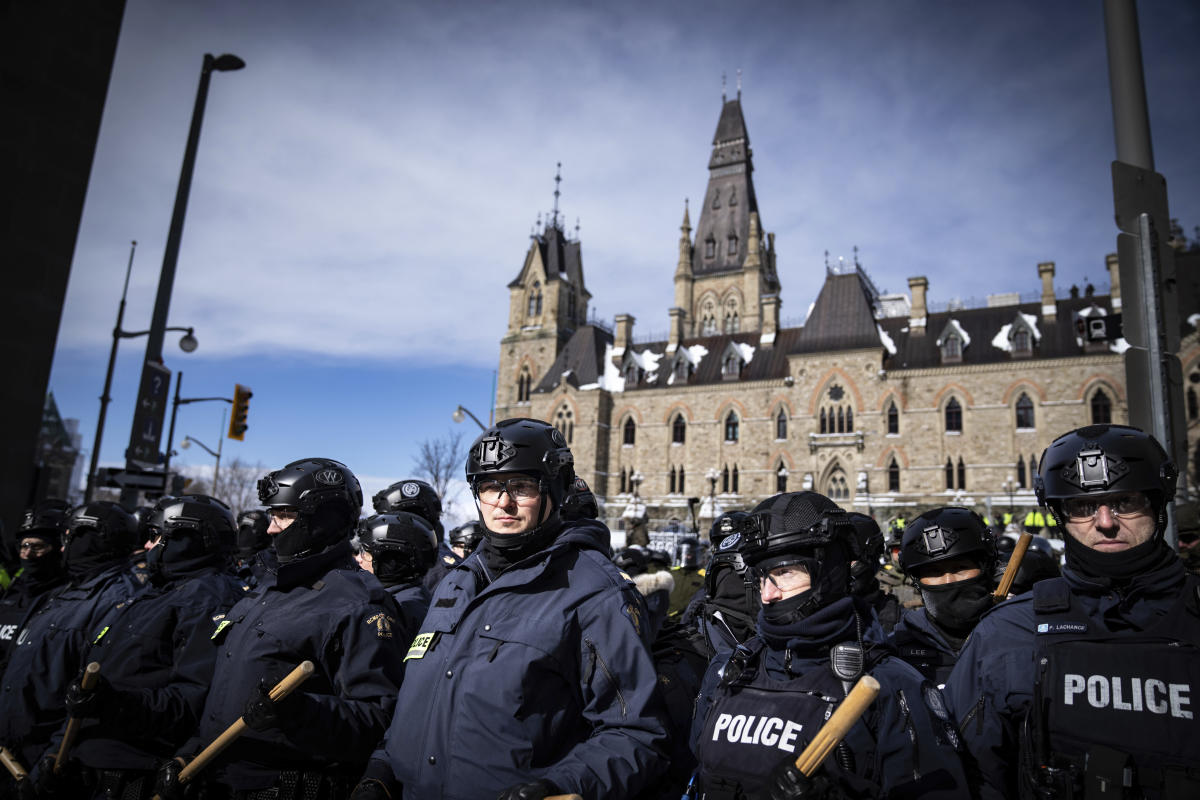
(932, 662)
(754, 723)
(1114, 714)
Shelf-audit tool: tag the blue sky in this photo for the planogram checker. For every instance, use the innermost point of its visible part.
(366, 187)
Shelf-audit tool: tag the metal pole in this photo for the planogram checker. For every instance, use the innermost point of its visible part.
(220, 445)
(104, 396)
(1127, 83)
(171, 435)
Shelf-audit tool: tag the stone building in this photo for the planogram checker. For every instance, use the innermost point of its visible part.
(880, 402)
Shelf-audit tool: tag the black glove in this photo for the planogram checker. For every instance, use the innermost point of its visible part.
(786, 782)
(264, 714)
(87, 703)
(24, 789)
(370, 789)
(538, 790)
(166, 781)
(46, 783)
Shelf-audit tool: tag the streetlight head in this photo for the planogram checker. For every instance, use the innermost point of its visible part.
(457, 416)
(186, 443)
(188, 342)
(227, 63)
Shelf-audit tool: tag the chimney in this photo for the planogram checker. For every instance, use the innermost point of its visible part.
(675, 336)
(1114, 279)
(623, 338)
(917, 315)
(1049, 307)
(770, 320)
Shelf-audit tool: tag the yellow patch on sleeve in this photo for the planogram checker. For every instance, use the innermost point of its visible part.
(421, 645)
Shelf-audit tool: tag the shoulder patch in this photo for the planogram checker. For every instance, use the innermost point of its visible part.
(448, 560)
(935, 701)
(625, 575)
(634, 615)
(383, 625)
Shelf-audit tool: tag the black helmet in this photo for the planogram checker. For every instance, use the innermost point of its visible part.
(726, 554)
(252, 533)
(530, 447)
(580, 503)
(1099, 459)
(47, 520)
(689, 552)
(414, 496)
(1040, 562)
(632, 560)
(326, 496)
(402, 545)
(143, 515)
(944, 533)
(467, 536)
(724, 525)
(802, 528)
(196, 531)
(870, 545)
(659, 559)
(97, 533)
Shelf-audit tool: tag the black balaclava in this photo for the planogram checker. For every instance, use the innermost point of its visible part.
(956, 607)
(87, 553)
(1119, 567)
(183, 554)
(736, 602)
(393, 569)
(250, 540)
(863, 582)
(311, 533)
(45, 568)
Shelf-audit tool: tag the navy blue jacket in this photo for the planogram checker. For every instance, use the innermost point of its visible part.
(413, 602)
(919, 642)
(321, 608)
(49, 654)
(904, 746)
(447, 560)
(154, 652)
(542, 674)
(992, 685)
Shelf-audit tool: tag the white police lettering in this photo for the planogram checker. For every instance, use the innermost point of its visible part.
(7, 632)
(752, 729)
(1129, 694)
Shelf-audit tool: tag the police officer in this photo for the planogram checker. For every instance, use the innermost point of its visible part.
(465, 538)
(531, 676)
(580, 502)
(726, 613)
(951, 554)
(317, 606)
(652, 583)
(764, 703)
(39, 546)
(254, 554)
(418, 497)
(60, 624)
(1085, 686)
(864, 580)
(688, 576)
(1040, 562)
(1187, 523)
(154, 656)
(400, 549)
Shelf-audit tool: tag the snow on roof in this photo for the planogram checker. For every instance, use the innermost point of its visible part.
(1119, 346)
(957, 330)
(1001, 341)
(1194, 320)
(699, 351)
(1031, 321)
(611, 380)
(886, 340)
(745, 351)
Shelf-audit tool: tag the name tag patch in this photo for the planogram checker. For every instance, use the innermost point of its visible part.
(1062, 627)
(421, 645)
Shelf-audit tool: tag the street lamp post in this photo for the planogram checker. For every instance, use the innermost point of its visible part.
(1009, 486)
(166, 280)
(461, 413)
(188, 441)
(182, 401)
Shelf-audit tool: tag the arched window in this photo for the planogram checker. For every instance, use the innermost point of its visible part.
(838, 488)
(734, 480)
(632, 374)
(781, 476)
(535, 299)
(849, 420)
(1101, 408)
(671, 489)
(949, 475)
(733, 240)
(683, 370)
(893, 419)
(731, 427)
(823, 428)
(732, 366)
(1021, 477)
(564, 420)
(841, 421)
(570, 306)
(678, 429)
(953, 416)
(725, 479)
(962, 474)
(629, 433)
(710, 246)
(680, 484)
(952, 349)
(708, 326)
(893, 476)
(1033, 464)
(624, 484)
(1024, 411)
(781, 426)
(523, 384)
(1021, 343)
(732, 322)
(716, 203)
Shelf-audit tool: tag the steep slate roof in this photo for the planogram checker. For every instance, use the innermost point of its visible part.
(841, 319)
(559, 255)
(729, 170)
(982, 325)
(583, 355)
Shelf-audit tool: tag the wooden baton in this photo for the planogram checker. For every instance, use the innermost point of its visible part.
(564, 797)
(838, 725)
(281, 690)
(91, 674)
(1014, 564)
(12, 765)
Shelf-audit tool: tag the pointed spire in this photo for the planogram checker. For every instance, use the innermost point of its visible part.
(684, 267)
(739, 84)
(577, 229)
(686, 227)
(557, 181)
(722, 86)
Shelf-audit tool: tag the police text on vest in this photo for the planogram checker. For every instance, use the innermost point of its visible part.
(752, 729)
(1129, 694)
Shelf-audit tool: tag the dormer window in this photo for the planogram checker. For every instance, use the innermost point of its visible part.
(953, 341)
(733, 244)
(731, 367)
(716, 203)
(710, 247)
(633, 375)
(733, 359)
(1022, 343)
(733, 197)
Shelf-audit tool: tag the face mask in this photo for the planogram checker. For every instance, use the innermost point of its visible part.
(1124, 565)
(86, 554)
(958, 606)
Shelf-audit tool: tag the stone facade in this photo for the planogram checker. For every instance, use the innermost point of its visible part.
(875, 401)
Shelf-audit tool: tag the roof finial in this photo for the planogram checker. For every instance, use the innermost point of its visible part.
(739, 84)
(722, 86)
(538, 224)
(577, 229)
(827, 259)
(856, 264)
(557, 181)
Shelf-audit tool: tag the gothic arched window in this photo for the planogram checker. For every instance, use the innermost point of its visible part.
(629, 433)
(679, 429)
(1101, 408)
(893, 476)
(781, 425)
(731, 427)
(1024, 411)
(893, 419)
(953, 416)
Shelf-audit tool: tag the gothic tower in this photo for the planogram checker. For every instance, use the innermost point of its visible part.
(722, 277)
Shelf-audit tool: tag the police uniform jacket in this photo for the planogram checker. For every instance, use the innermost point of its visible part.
(321, 608)
(993, 684)
(542, 673)
(765, 702)
(919, 642)
(155, 653)
(447, 560)
(49, 654)
(15, 602)
(412, 600)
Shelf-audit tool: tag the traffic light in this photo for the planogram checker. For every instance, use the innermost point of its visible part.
(241, 408)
